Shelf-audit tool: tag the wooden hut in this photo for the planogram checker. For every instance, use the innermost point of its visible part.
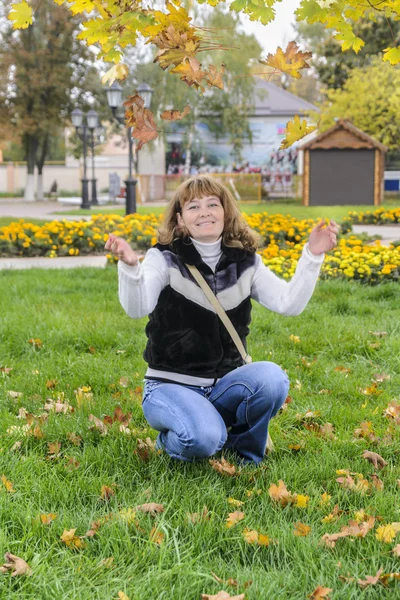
(343, 165)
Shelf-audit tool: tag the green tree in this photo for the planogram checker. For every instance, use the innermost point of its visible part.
(44, 70)
(332, 65)
(370, 100)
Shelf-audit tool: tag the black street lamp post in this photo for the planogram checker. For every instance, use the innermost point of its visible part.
(85, 132)
(114, 99)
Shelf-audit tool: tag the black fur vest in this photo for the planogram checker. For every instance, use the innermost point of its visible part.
(185, 335)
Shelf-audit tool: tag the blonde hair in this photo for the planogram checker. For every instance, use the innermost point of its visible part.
(236, 233)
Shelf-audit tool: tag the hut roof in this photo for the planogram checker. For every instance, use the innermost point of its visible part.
(343, 135)
(270, 100)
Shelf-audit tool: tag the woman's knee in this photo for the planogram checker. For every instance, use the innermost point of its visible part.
(205, 444)
(274, 381)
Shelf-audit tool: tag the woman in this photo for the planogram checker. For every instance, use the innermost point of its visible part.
(198, 393)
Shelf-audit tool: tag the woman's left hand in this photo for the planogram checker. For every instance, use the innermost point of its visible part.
(322, 239)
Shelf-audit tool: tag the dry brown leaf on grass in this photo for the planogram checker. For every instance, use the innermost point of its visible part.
(47, 518)
(175, 115)
(15, 565)
(98, 425)
(396, 550)
(156, 536)
(222, 595)
(253, 537)
(53, 450)
(301, 530)
(6, 370)
(223, 467)
(71, 540)
(354, 529)
(370, 579)
(107, 492)
(234, 518)
(74, 438)
(393, 412)
(7, 484)
(57, 406)
(387, 533)
(118, 417)
(198, 517)
(375, 459)
(281, 494)
(320, 592)
(145, 448)
(152, 508)
(14, 395)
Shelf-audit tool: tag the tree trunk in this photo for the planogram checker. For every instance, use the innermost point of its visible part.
(188, 160)
(39, 188)
(31, 144)
(40, 163)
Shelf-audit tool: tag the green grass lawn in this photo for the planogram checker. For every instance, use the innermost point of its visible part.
(87, 340)
(288, 206)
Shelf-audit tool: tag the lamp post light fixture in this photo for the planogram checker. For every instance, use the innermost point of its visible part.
(86, 133)
(114, 99)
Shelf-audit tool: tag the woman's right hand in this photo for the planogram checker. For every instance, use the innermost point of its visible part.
(122, 250)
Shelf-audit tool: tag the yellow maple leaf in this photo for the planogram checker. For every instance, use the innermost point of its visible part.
(290, 61)
(20, 15)
(71, 540)
(119, 72)
(296, 129)
(235, 502)
(301, 501)
(234, 518)
(7, 484)
(301, 530)
(46, 519)
(385, 533)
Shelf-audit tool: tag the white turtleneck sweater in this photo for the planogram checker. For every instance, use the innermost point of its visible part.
(141, 285)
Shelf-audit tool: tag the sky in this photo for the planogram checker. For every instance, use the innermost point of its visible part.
(277, 33)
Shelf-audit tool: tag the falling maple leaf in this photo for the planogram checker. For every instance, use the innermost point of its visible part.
(141, 120)
(175, 115)
(15, 565)
(290, 61)
(152, 508)
(234, 518)
(320, 592)
(118, 71)
(296, 129)
(375, 459)
(301, 530)
(214, 77)
(223, 467)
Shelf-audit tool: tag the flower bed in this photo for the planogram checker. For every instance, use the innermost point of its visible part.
(284, 238)
(380, 216)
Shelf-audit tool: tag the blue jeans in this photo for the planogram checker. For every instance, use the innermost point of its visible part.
(196, 422)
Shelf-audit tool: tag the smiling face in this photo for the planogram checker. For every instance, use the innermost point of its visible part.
(203, 218)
